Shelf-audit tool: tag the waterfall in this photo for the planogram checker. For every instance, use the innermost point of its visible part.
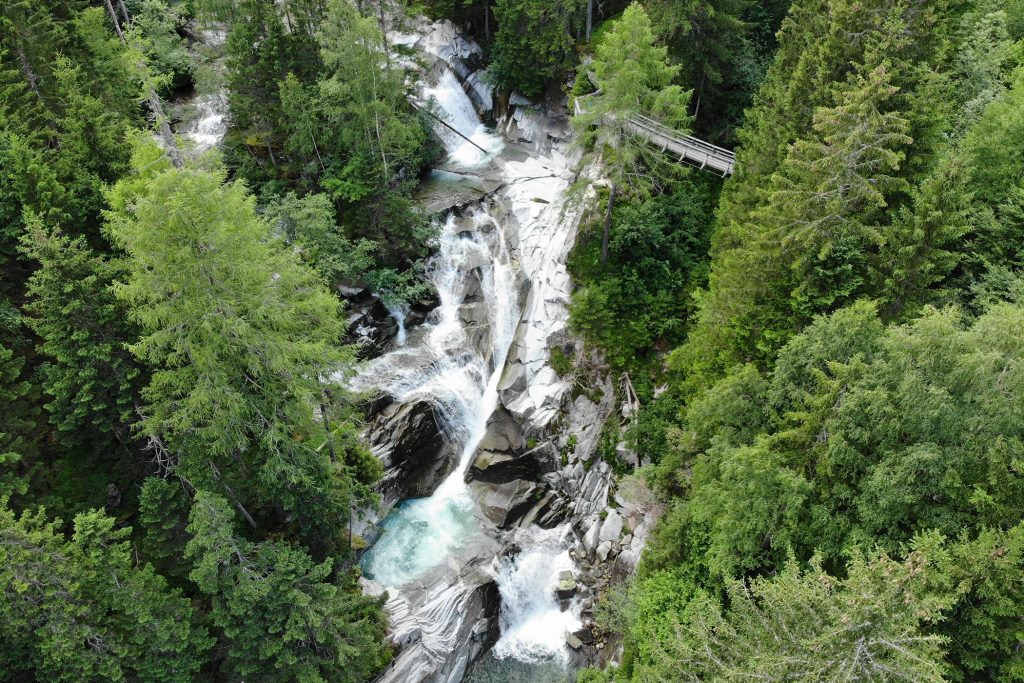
(399, 312)
(459, 379)
(533, 625)
(441, 565)
(208, 126)
(453, 105)
(205, 118)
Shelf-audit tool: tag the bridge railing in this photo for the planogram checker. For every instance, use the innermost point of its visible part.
(691, 149)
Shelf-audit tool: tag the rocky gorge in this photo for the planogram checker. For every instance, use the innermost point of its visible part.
(500, 523)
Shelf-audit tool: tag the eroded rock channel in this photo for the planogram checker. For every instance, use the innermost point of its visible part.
(493, 523)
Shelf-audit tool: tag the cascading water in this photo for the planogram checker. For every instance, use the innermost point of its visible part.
(205, 117)
(533, 624)
(472, 143)
(435, 556)
(444, 367)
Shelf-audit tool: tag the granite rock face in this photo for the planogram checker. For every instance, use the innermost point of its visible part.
(414, 450)
(444, 624)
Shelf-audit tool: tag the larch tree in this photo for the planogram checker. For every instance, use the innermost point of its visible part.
(634, 78)
(241, 339)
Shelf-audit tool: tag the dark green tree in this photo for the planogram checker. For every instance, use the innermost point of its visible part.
(91, 378)
(533, 46)
(81, 609)
(319, 631)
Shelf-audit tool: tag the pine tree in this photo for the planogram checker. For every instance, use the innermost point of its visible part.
(921, 248)
(17, 424)
(810, 626)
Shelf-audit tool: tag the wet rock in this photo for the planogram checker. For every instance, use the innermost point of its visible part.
(566, 587)
(573, 641)
(504, 504)
(370, 326)
(442, 625)
(420, 309)
(499, 468)
(415, 453)
(584, 635)
(503, 433)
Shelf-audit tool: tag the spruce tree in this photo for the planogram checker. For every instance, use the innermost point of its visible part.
(81, 609)
(91, 378)
(633, 78)
(318, 631)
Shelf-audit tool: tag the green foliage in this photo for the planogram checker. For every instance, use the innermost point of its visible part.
(321, 631)
(241, 338)
(533, 46)
(639, 300)
(806, 625)
(165, 51)
(719, 53)
(802, 223)
(91, 378)
(309, 224)
(862, 436)
(17, 423)
(634, 78)
(81, 609)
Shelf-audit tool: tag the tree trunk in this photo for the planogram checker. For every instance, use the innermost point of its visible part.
(155, 103)
(590, 18)
(383, 30)
(124, 12)
(487, 19)
(113, 17)
(26, 70)
(607, 225)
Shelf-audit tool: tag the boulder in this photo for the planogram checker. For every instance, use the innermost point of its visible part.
(498, 468)
(590, 538)
(421, 308)
(573, 641)
(566, 587)
(370, 326)
(416, 455)
(584, 635)
(611, 528)
(504, 504)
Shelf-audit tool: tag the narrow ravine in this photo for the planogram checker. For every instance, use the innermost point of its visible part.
(500, 277)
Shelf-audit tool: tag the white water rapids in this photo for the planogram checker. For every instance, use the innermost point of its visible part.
(455, 361)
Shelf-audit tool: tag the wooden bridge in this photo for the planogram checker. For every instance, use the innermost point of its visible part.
(689, 149)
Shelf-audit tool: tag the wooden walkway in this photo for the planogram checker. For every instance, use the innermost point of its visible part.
(687, 148)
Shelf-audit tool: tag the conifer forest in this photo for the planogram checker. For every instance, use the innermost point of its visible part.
(512, 341)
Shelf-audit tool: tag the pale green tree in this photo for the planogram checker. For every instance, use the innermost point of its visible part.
(240, 338)
(634, 78)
